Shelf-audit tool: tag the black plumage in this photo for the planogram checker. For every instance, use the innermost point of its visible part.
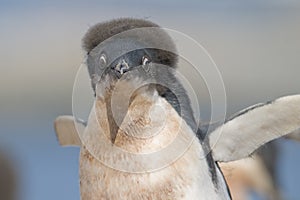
(97, 40)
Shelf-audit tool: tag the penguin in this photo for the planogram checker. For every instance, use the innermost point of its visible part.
(257, 173)
(9, 179)
(125, 62)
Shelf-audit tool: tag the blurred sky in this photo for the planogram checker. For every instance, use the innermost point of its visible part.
(255, 45)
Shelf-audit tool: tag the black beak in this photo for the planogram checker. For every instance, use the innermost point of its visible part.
(113, 126)
(120, 68)
(116, 72)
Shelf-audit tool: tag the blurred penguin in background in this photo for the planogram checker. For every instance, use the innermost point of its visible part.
(8, 182)
(257, 173)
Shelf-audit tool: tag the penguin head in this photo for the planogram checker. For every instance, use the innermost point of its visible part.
(131, 52)
(118, 46)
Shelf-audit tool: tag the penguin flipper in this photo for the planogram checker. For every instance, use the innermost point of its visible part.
(295, 135)
(249, 129)
(67, 130)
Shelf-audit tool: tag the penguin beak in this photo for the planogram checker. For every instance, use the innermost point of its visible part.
(116, 118)
(120, 68)
(113, 126)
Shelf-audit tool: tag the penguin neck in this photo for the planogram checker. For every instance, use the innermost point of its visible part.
(149, 124)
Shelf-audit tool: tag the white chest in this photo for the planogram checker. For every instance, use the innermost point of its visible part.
(187, 178)
(184, 173)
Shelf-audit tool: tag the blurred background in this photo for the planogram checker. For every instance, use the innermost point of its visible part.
(255, 44)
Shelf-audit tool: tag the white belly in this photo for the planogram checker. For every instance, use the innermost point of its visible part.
(186, 176)
(180, 180)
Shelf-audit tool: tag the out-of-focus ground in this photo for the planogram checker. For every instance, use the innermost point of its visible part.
(255, 45)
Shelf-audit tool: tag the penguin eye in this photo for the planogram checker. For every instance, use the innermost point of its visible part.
(145, 60)
(102, 60)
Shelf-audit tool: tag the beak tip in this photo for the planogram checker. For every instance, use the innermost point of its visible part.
(113, 139)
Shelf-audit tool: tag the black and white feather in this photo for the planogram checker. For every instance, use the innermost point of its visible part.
(236, 139)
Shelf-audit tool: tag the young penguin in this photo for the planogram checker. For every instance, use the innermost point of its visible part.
(8, 178)
(257, 173)
(126, 62)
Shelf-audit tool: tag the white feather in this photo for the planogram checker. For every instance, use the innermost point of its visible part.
(253, 127)
(295, 135)
(66, 128)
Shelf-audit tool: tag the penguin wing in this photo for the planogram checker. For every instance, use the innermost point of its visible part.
(67, 130)
(249, 129)
(295, 135)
